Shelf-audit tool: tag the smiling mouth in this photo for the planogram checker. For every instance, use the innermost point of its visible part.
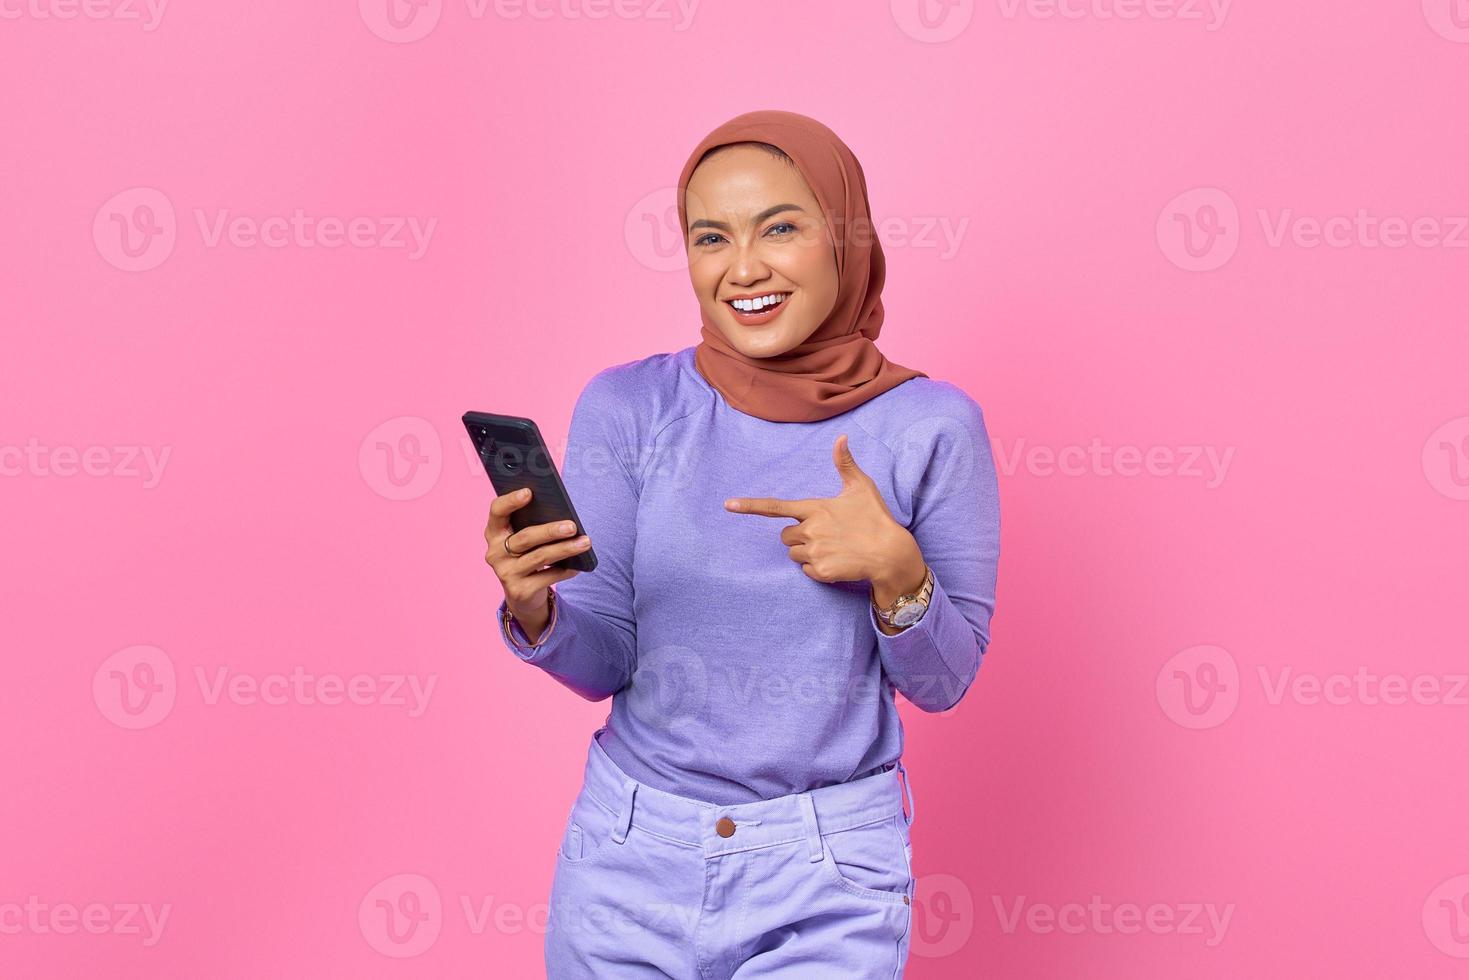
(766, 302)
(758, 309)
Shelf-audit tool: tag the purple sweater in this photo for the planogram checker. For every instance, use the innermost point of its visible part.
(733, 675)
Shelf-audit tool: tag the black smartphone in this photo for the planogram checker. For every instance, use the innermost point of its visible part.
(516, 456)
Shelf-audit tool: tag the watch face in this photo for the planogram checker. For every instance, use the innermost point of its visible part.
(909, 614)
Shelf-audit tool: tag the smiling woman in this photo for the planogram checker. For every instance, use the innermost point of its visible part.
(762, 221)
(749, 776)
(753, 263)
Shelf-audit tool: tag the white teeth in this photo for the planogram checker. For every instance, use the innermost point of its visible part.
(759, 303)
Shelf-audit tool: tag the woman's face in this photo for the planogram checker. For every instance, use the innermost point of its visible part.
(757, 231)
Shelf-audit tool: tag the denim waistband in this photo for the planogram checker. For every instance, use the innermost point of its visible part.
(762, 823)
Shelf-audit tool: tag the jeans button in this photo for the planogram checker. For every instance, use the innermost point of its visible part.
(724, 827)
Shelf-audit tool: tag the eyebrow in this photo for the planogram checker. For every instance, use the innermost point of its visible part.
(767, 213)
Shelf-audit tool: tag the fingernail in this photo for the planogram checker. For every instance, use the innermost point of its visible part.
(566, 527)
(523, 492)
(583, 541)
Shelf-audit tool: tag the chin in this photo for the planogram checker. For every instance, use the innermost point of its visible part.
(761, 341)
(754, 343)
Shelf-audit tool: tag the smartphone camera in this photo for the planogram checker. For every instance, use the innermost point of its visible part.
(509, 461)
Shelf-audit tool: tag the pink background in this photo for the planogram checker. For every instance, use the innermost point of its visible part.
(1113, 187)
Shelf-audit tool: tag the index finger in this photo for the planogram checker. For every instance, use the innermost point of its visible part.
(770, 507)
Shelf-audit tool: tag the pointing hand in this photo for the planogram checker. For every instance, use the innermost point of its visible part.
(847, 538)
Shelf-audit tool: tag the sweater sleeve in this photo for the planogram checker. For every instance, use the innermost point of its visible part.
(590, 645)
(956, 522)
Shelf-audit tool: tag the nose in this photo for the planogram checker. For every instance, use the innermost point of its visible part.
(746, 267)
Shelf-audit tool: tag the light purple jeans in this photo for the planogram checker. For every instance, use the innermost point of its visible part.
(811, 885)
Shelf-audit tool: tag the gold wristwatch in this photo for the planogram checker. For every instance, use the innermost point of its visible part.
(907, 609)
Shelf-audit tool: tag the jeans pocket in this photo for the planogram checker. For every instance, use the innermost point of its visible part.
(588, 827)
(871, 861)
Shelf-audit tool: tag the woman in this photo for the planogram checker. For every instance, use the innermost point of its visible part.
(788, 527)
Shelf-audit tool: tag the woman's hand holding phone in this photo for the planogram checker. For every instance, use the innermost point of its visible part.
(521, 574)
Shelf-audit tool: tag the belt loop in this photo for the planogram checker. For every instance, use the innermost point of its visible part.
(908, 792)
(813, 831)
(624, 818)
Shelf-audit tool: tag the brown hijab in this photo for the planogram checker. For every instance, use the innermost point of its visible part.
(838, 367)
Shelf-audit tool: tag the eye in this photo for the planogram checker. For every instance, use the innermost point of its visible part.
(705, 239)
(775, 228)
